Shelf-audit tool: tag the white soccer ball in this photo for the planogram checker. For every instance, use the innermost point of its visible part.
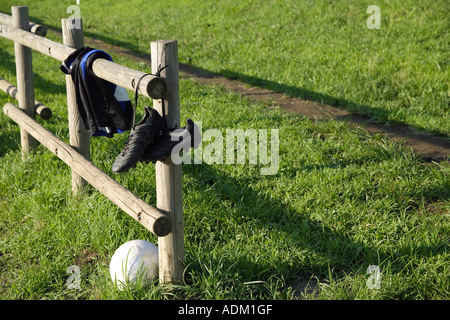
(136, 260)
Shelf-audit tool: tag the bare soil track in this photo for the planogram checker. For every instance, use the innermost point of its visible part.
(428, 147)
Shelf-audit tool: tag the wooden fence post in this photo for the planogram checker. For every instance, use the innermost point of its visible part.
(78, 135)
(168, 175)
(24, 73)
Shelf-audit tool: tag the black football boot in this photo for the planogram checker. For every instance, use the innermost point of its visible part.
(164, 143)
(140, 137)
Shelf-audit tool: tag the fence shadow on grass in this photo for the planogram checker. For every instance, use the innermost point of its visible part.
(8, 63)
(329, 249)
(313, 236)
(305, 94)
(9, 141)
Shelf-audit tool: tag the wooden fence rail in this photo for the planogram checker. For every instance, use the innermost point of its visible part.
(166, 220)
(153, 219)
(151, 86)
(41, 110)
(35, 28)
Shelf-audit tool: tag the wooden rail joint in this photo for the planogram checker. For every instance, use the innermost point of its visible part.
(35, 28)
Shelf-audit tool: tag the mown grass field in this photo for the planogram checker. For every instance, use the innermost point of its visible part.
(342, 199)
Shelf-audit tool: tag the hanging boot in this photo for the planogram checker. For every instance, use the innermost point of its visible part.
(140, 137)
(164, 143)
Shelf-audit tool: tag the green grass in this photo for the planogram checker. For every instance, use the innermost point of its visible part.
(342, 200)
(319, 50)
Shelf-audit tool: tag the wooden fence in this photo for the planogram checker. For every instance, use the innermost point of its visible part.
(166, 219)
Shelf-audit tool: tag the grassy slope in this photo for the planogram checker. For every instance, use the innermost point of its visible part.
(318, 50)
(342, 200)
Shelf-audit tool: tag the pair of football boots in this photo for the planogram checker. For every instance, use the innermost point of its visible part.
(149, 141)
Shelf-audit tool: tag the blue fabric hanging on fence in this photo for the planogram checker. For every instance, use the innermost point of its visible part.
(104, 107)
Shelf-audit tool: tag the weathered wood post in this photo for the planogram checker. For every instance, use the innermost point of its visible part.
(168, 175)
(72, 33)
(24, 73)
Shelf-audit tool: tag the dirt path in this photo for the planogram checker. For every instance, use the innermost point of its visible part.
(428, 147)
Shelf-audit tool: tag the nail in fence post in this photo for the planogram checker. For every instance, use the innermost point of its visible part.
(168, 175)
(78, 135)
(24, 73)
